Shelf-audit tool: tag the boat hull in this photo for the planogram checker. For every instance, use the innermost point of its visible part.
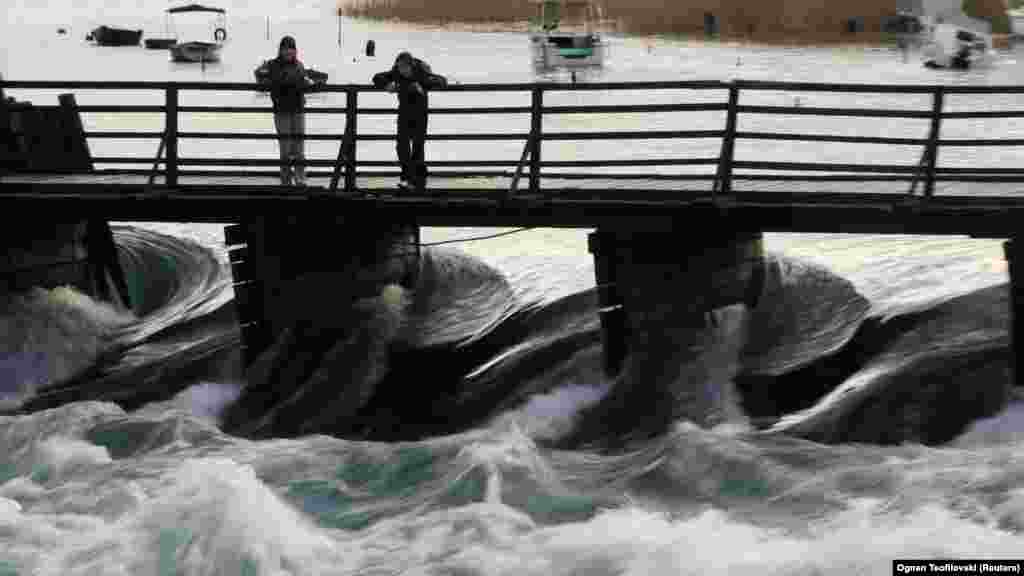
(160, 43)
(567, 51)
(106, 36)
(195, 52)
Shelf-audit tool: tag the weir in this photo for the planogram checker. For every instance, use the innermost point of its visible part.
(659, 272)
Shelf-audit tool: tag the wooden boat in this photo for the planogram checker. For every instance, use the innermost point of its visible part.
(162, 43)
(159, 43)
(562, 50)
(955, 47)
(200, 50)
(107, 36)
(196, 52)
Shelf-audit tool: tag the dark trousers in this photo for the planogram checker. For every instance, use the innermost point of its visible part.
(412, 134)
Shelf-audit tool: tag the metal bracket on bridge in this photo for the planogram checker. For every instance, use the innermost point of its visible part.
(526, 155)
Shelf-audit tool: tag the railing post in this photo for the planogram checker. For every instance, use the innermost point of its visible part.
(351, 116)
(536, 117)
(933, 141)
(723, 180)
(171, 129)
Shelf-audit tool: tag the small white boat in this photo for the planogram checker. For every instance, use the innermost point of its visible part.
(954, 47)
(554, 49)
(200, 50)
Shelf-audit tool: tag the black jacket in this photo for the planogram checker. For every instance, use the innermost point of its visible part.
(409, 100)
(288, 84)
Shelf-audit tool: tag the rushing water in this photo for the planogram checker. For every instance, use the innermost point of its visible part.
(495, 353)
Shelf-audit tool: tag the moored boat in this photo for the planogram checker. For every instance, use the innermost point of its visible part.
(107, 36)
(167, 41)
(951, 46)
(159, 43)
(200, 50)
(555, 49)
(196, 52)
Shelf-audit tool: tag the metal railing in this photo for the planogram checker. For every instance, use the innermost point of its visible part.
(532, 164)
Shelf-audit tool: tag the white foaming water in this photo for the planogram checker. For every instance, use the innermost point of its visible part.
(214, 515)
(50, 335)
(57, 457)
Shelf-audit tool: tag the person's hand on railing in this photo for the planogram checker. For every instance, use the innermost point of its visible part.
(391, 87)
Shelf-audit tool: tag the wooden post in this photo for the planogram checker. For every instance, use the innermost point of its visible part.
(156, 161)
(536, 124)
(723, 181)
(75, 143)
(609, 301)
(351, 129)
(103, 260)
(171, 131)
(1014, 252)
(933, 141)
(519, 169)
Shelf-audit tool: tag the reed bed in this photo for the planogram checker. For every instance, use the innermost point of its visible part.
(770, 21)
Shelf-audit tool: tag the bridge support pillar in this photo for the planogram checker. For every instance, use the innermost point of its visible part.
(656, 291)
(1014, 252)
(289, 270)
(80, 254)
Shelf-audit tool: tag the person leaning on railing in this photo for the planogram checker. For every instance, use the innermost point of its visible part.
(411, 78)
(288, 81)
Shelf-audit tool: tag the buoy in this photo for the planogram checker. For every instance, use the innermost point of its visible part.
(220, 34)
(371, 48)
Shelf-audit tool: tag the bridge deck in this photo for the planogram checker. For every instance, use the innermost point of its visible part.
(227, 199)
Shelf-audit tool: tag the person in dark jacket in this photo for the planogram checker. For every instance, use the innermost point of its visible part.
(287, 80)
(411, 78)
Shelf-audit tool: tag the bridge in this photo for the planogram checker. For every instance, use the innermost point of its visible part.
(690, 221)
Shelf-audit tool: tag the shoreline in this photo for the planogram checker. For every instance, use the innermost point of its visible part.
(867, 40)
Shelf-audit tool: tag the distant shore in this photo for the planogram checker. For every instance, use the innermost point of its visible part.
(524, 26)
(770, 22)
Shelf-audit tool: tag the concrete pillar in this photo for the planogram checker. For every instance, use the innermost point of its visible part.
(308, 267)
(668, 283)
(45, 254)
(610, 309)
(305, 275)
